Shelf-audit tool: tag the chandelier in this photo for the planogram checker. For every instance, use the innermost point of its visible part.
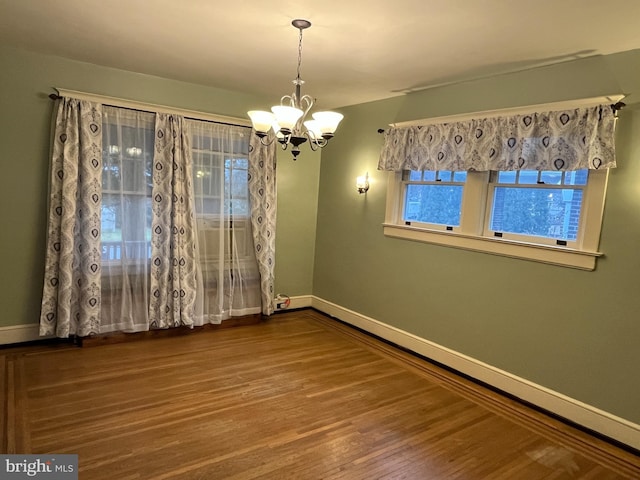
(286, 122)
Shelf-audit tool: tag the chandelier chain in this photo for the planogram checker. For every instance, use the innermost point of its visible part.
(299, 53)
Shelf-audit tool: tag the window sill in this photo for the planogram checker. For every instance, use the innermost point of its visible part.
(563, 256)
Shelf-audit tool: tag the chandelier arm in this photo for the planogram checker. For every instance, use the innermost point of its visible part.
(285, 140)
(267, 140)
(312, 144)
(316, 143)
(290, 99)
(305, 104)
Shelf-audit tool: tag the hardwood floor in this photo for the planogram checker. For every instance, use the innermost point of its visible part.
(299, 396)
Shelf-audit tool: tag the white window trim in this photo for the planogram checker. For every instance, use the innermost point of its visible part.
(470, 237)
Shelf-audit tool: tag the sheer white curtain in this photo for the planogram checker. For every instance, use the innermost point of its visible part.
(230, 281)
(127, 156)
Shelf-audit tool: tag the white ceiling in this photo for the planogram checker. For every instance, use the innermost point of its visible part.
(356, 50)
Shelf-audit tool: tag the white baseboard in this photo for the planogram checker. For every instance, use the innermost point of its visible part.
(301, 301)
(19, 333)
(566, 407)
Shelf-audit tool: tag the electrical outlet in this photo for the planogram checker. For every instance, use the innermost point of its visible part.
(282, 301)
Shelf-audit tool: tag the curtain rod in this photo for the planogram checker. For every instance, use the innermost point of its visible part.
(614, 100)
(150, 107)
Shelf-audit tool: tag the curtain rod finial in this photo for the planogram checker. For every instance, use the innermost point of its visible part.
(618, 106)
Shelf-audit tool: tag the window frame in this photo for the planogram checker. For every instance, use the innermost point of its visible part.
(491, 199)
(472, 234)
(437, 182)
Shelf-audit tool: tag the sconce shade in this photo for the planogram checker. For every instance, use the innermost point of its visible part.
(262, 121)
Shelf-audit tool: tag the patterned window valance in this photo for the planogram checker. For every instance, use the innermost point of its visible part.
(556, 140)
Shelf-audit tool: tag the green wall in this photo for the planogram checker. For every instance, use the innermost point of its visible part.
(572, 331)
(298, 183)
(26, 79)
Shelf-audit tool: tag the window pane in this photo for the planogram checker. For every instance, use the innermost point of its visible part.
(541, 212)
(133, 175)
(578, 177)
(208, 205)
(125, 226)
(206, 173)
(507, 177)
(239, 183)
(439, 204)
(415, 176)
(551, 177)
(528, 177)
(444, 175)
(111, 219)
(460, 177)
(241, 163)
(111, 173)
(429, 175)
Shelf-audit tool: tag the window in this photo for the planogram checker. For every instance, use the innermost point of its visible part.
(547, 216)
(221, 189)
(535, 184)
(216, 170)
(127, 154)
(536, 206)
(433, 198)
(220, 180)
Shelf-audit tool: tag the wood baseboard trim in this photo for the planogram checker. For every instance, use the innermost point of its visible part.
(20, 333)
(579, 413)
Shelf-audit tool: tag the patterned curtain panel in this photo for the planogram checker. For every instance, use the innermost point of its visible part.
(173, 244)
(71, 295)
(262, 192)
(558, 140)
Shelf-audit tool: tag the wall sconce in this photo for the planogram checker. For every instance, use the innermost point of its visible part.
(362, 183)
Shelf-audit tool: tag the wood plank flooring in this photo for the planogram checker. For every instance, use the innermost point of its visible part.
(299, 396)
